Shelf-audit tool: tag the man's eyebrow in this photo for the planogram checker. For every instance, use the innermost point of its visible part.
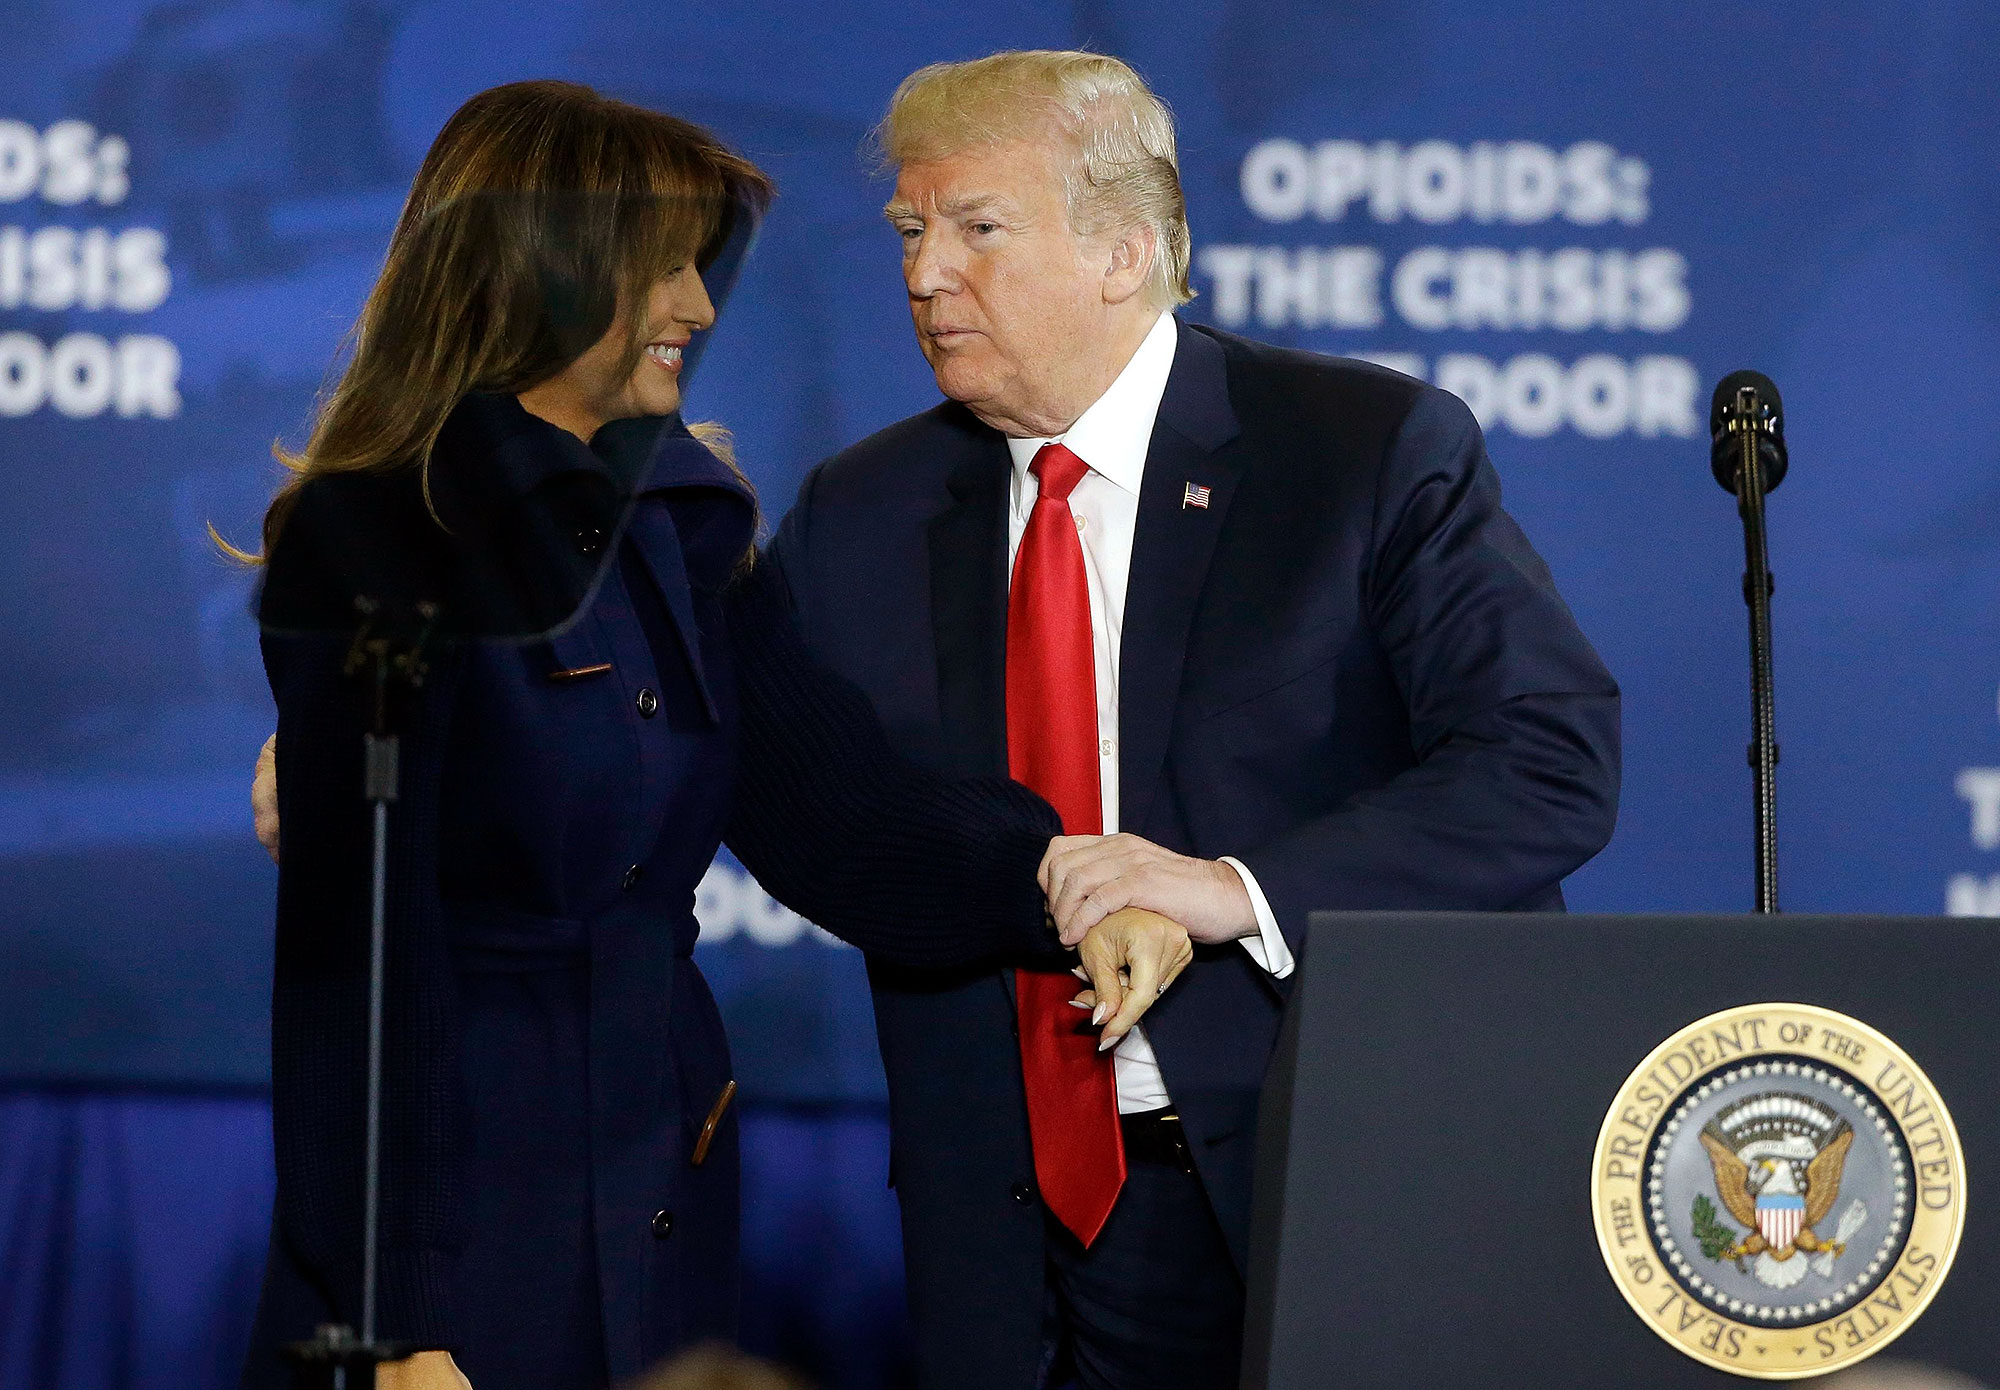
(960, 207)
(977, 202)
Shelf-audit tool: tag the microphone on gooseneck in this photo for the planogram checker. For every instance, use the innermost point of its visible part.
(1746, 423)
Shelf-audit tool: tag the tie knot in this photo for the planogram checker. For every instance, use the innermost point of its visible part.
(1058, 471)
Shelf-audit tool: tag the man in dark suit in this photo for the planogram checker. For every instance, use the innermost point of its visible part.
(1258, 610)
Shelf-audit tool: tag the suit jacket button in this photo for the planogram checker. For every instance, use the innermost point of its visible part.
(663, 1224)
(1024, 1194)
(649, 703)
(589, 541)
(631, 879)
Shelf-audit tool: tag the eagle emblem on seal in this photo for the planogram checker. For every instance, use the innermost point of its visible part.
(1778, 1160)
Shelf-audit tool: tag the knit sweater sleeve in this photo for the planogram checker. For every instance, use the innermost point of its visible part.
(915, 868)
(319, 1009)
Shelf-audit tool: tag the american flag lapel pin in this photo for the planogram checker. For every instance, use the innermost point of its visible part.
(1195, 496)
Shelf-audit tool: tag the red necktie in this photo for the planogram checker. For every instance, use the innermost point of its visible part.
(1052, 747)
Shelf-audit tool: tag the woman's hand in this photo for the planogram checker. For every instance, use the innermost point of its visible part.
(427, 1370)
(264, 797)
(1129, 958)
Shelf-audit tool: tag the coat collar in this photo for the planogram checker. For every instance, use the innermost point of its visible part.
(494, 433)
(649, 453)
(1197, 400)
(533, 518)
(491, 438)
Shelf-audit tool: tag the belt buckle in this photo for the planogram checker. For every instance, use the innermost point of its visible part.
(1166, 1137)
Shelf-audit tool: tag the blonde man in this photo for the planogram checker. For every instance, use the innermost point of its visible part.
(1257, 610)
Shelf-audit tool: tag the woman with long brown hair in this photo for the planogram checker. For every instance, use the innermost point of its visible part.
(559, 1199)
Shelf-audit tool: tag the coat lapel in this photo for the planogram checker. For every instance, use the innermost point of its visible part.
(1171, 550)
(652, 528)
(682, 485)
(968, 563)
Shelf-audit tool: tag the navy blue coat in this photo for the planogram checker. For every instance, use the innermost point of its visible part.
(553, 1054)
(1350, 670)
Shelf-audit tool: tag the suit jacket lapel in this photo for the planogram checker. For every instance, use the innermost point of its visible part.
(1171, 550)
(968, 562)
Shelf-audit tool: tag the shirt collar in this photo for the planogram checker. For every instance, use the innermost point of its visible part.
(1115, 433)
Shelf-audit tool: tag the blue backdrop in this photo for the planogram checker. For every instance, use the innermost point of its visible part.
(1577, 217)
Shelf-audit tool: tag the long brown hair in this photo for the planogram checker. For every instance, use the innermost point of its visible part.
(540, 208)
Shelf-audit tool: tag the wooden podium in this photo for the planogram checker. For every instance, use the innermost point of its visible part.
(1428, 1166)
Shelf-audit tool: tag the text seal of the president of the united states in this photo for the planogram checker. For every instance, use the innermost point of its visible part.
(1779, 1190)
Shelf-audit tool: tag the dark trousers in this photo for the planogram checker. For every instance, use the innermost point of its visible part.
(1156, 1303)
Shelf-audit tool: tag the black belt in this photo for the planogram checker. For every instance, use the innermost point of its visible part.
(1156, 1136)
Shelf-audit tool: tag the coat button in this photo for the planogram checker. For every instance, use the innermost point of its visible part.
(1024, 1194)
(589, 541)
(663, 1224)
(631, 879)
(649, 703)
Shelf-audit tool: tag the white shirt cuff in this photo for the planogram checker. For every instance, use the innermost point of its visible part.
(1268, 946)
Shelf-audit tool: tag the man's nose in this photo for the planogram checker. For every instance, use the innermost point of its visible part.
(931, 269)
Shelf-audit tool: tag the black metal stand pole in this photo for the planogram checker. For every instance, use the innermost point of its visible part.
(336, 1358)
(1757, 589)
(382, 755)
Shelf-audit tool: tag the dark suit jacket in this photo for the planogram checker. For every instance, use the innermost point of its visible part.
(1350, 670)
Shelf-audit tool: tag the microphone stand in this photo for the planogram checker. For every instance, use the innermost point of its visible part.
(387, 653)
(1747, 421)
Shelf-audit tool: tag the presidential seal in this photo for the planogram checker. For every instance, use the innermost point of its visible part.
(1779, 1191)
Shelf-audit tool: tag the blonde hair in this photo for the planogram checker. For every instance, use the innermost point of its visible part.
(1125, 173)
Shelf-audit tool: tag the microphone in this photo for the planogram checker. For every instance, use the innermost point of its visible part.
(1746, 401)
(1746, 423)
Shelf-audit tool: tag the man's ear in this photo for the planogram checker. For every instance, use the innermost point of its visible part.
(1130, 264)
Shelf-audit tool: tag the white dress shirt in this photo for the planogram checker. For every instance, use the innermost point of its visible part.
(1113, 437)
